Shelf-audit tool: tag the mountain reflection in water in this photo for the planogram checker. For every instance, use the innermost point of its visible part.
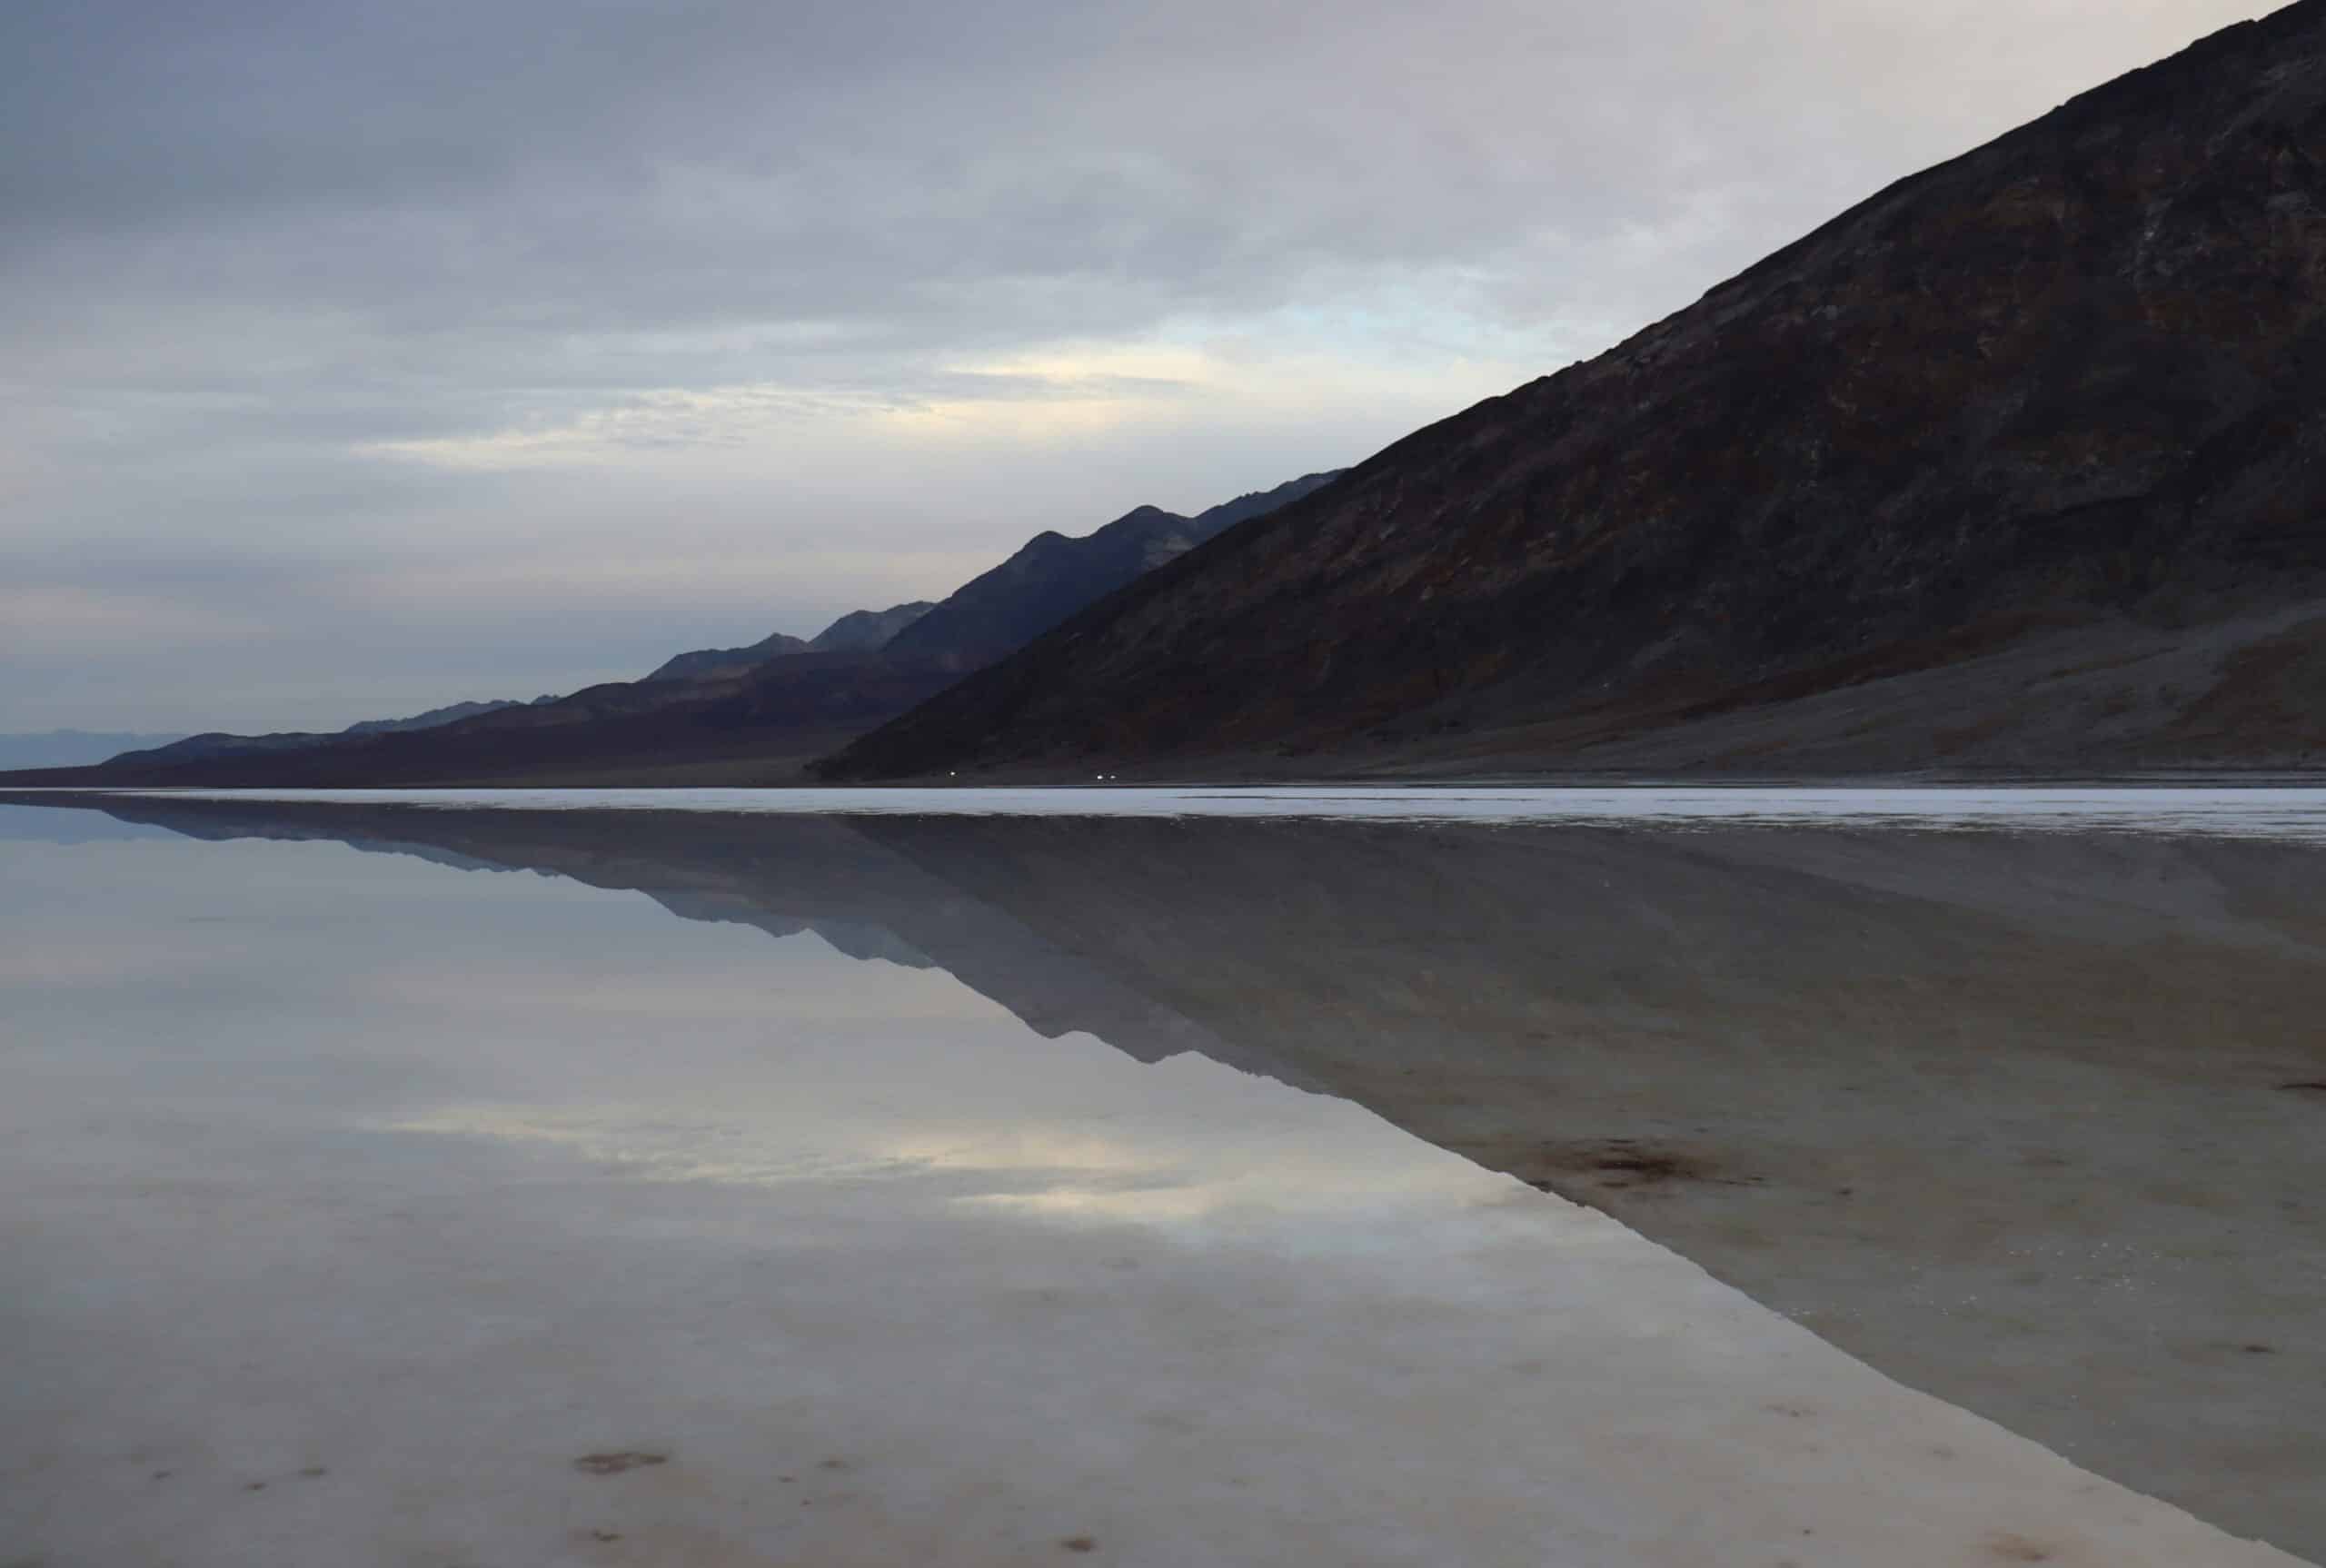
(2030, 1122)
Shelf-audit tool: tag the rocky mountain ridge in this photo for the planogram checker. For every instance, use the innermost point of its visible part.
(1051, 576)
(2051, 410)
(74, 748)
(863, 630)
(858, 631)
(213, 744)
(722, 716)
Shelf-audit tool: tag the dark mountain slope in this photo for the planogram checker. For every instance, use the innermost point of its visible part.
(728, 716)
(73, 748)
(1053, 576)
(1049, 578)
(858, 631)
(862, 631)
(717, 663)
(2070, 386)
(217, 743)
(753, 729)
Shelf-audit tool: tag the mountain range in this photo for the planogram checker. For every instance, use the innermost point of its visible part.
(754, 714)
(72, 748)
(858, 631)
(1052, 576)
(2016, 467)
(215, 743)
(2019, 465)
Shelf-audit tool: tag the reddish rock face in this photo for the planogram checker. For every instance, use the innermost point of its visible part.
(2070, 380)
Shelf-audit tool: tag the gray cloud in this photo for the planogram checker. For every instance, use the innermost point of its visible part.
(619, 328)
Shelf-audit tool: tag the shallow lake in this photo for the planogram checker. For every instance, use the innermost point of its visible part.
(1171, 1177)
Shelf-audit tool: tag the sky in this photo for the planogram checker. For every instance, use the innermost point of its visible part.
(358, 358)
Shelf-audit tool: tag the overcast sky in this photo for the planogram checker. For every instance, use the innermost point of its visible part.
(358, 358)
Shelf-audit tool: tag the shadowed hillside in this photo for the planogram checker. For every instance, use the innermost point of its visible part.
(1053, 576)
(2020, 464)
(741, 715)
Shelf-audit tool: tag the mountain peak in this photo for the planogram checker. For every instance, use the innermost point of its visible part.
(863, 630)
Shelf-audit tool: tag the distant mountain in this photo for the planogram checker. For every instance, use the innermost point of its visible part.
(217, 743)
(436, 716)
(1258, 504)
(858, 631)
(1052, 576)
(2018, 466)
(862, 631)
(756, 728)
(72, 748)
(725, 716)
(719, 663)
(1049, 577)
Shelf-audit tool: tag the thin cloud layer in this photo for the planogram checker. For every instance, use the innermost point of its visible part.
(362, 358)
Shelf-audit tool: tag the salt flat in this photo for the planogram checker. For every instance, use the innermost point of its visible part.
(2292, 812)
(364, 1209)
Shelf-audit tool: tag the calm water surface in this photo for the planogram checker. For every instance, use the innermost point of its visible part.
(530, 1185)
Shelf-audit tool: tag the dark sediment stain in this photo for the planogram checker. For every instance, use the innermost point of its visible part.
(614, 1464)
(1625, 1164)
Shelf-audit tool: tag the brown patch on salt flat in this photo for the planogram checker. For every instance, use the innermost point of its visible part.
(1629, 1165)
